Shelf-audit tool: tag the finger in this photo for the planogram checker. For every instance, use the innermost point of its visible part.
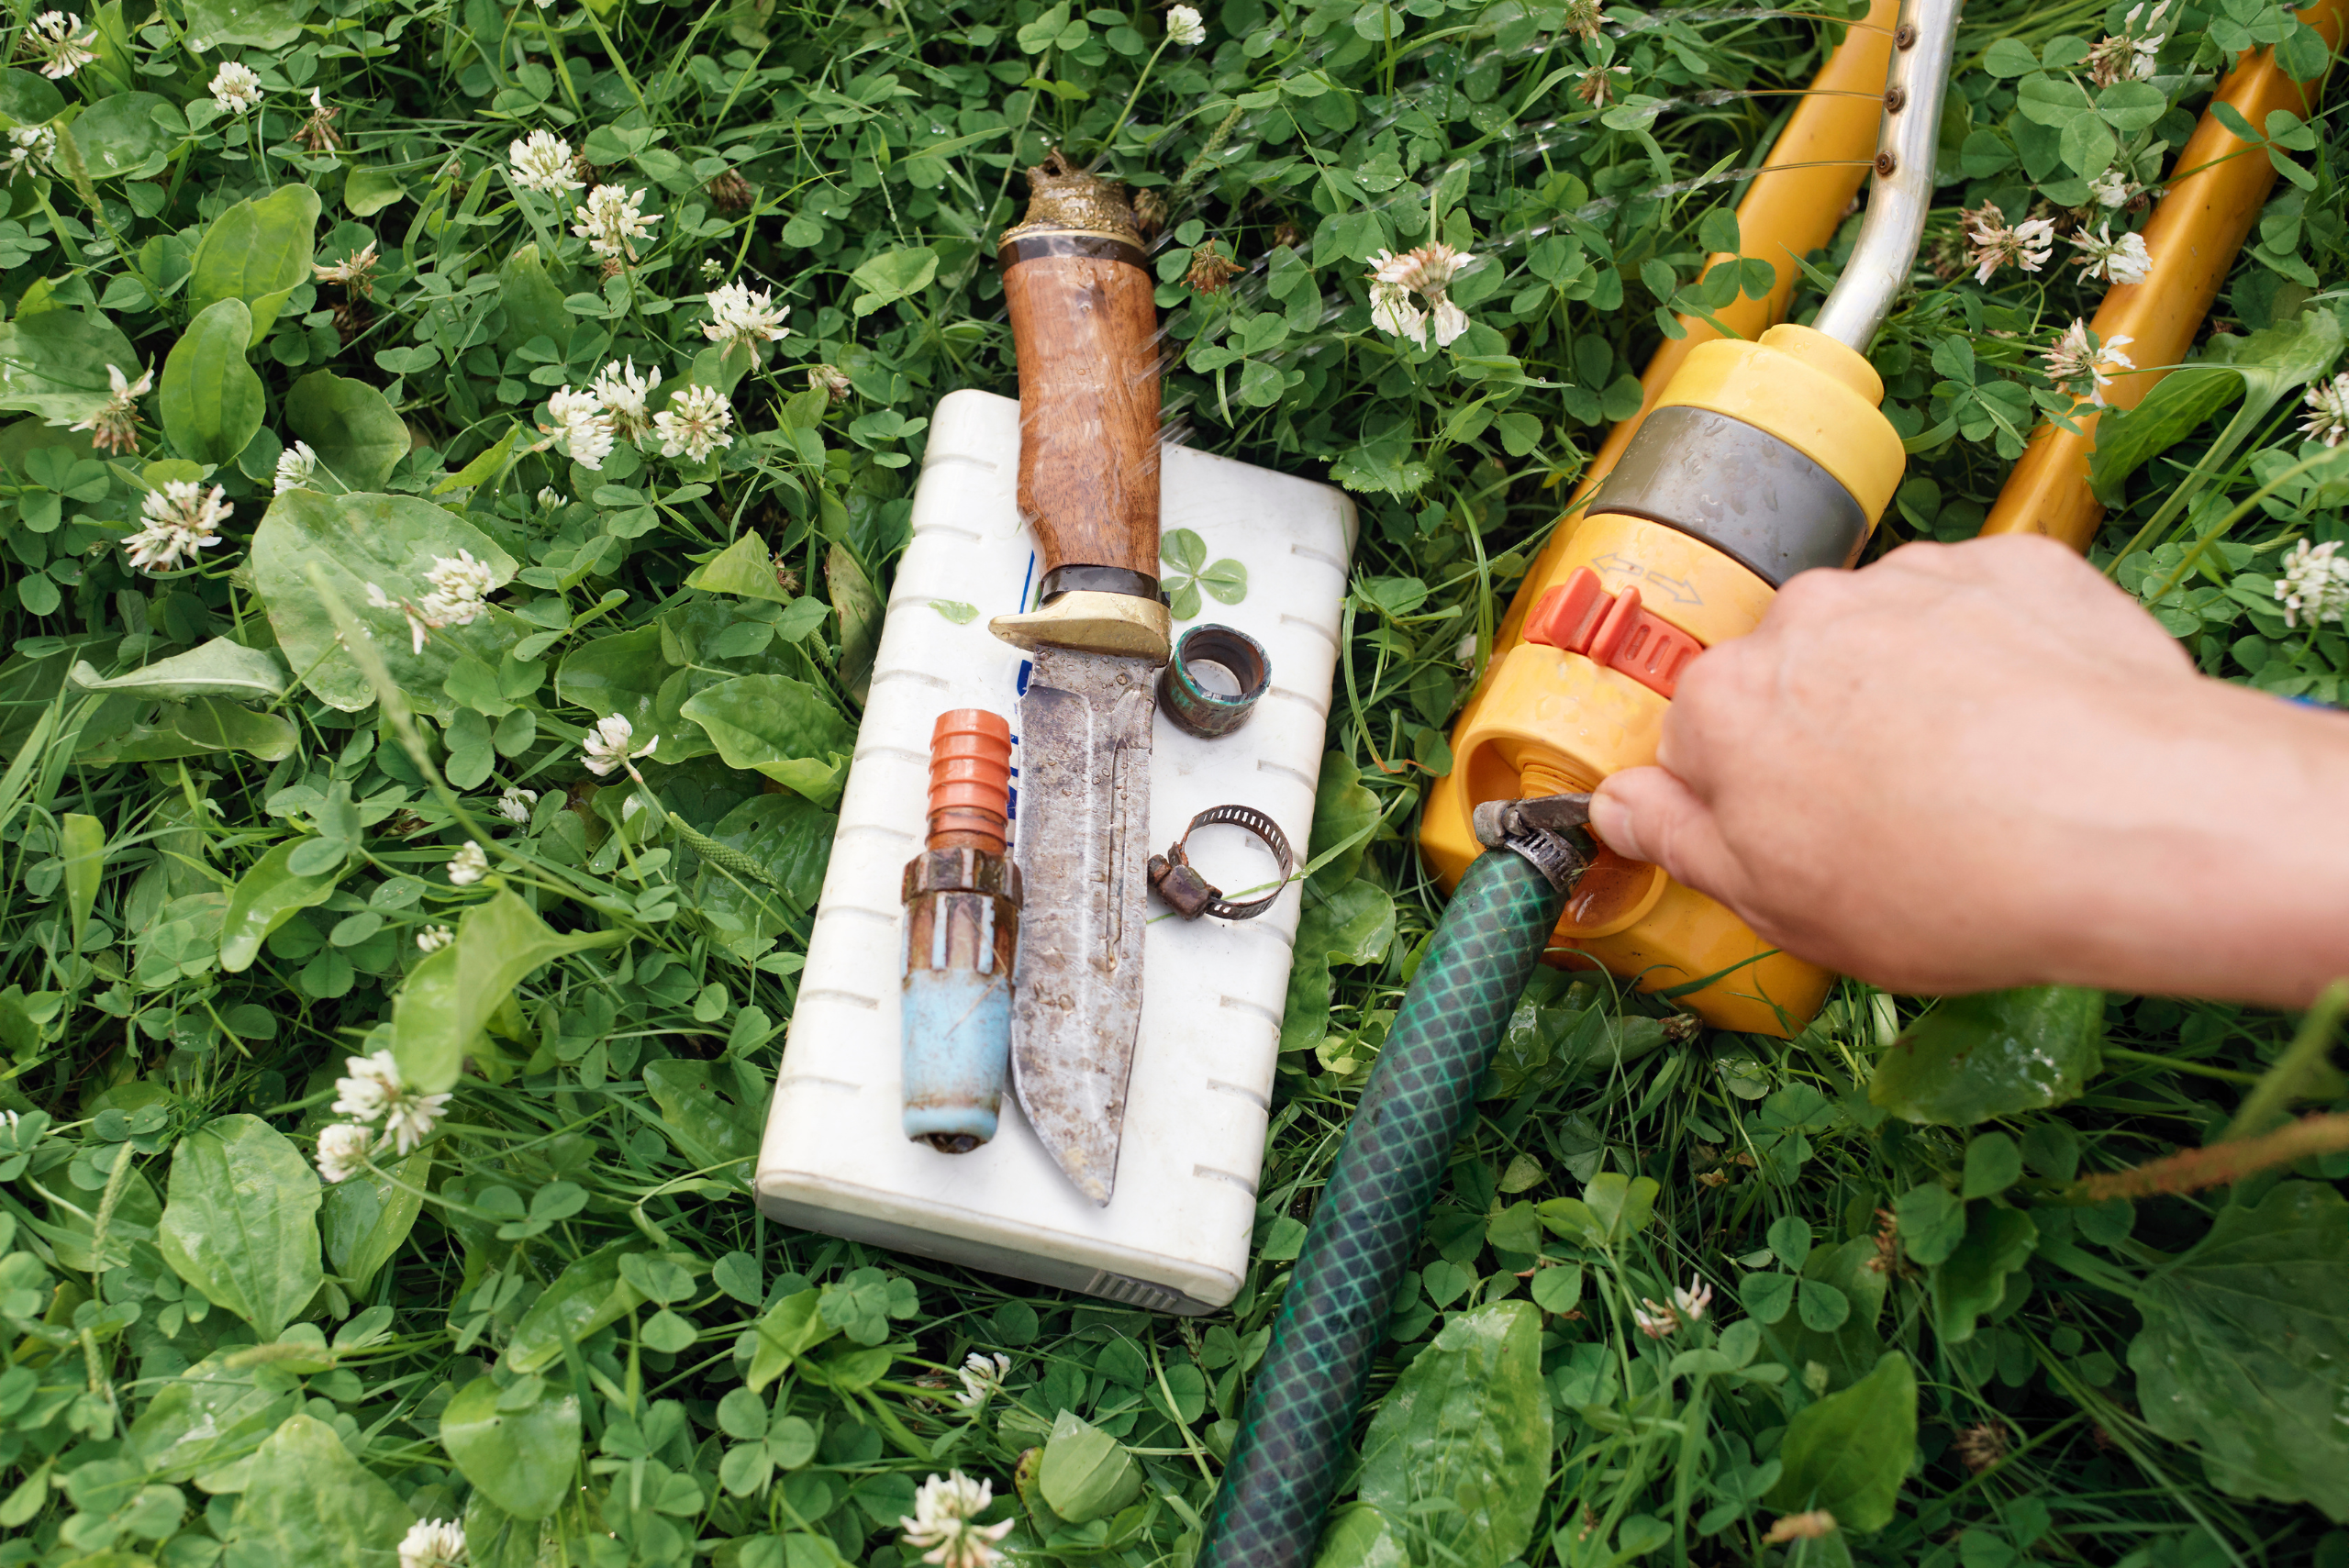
(1646, 813)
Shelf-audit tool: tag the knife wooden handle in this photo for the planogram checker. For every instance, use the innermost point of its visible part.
(1083, 327)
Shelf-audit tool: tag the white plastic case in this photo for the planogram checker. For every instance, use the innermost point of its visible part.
(1176, 1236)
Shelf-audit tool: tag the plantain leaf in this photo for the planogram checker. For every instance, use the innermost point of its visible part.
(859, 612)
(523, 1459)
(1468, 1425)
(259, 24)
(1993, 1054)
(1849, 1452)
(309, 1502)
(349, 425)
(368, 1215)
(266, 897)
(1085, 1474)
(258, 251)
(533, 305)
(2244, 1353)
(53, 363)
(784, 729)
(212, 1415)
(586, 1297)
(448, 999)
(192, 728)
(121, 137)
(210, 399)
(215, 669)
(389, 540)
(239, 1221)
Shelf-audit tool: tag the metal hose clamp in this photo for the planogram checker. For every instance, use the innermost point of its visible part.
(1197, 710)
(1552, 832)
(1191, 894)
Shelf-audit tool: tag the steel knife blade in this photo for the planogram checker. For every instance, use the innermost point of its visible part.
(1083, 851)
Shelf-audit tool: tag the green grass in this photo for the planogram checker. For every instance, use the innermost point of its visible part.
(210, 1358)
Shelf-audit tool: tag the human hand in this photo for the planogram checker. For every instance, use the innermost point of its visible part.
(1981, 765)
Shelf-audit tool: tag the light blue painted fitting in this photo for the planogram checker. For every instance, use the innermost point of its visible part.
(957, 1047)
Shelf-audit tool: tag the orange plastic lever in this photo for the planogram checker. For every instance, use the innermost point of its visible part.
(1611, 630)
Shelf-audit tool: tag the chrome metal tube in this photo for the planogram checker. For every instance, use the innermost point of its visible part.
(1902, 190)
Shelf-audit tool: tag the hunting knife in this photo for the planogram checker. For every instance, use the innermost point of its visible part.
(1083, 327)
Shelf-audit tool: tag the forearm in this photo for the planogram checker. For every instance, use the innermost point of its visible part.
(2225, 872)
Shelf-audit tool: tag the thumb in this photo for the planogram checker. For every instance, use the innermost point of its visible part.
(1647, 813)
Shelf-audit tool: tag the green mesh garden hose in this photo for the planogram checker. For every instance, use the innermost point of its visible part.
(1301, 1407)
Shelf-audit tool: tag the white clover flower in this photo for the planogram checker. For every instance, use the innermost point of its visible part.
(2127, 54)
(944, 1529)
(181, 520)
(1391, 311)
(582, 426)
(376, 1088)
(2075, 358)
(355, 272)
(982, 1377)
(1812, 1526)
(740, 314)
(607, 746)
(1427, 272)
(433, 1543)
(2119, 260)
(432, 939)
(1584, 19)
(2329, 399)
(541, 162)
(2112, 188)
(468, 865)
(1598, 84)
(2315, 584)
(115, 427)
(611, 221)
(372, 1085)
(517, 804)
(1186, 27)
(11, 1120)
(342, 1151)
(416, 625)
(63, 43)
(829, 379)
(460, 590)
(550, 497)
(235, 87)
(622, 389)
(33, 144)
(712, 268)
(410, 1121)
(296, 466)
(694, 423)
(2027, 245)
(1692, 1302)
(1654, 1320)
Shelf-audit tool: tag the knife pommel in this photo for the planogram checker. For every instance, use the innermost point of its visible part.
(1085, 329)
